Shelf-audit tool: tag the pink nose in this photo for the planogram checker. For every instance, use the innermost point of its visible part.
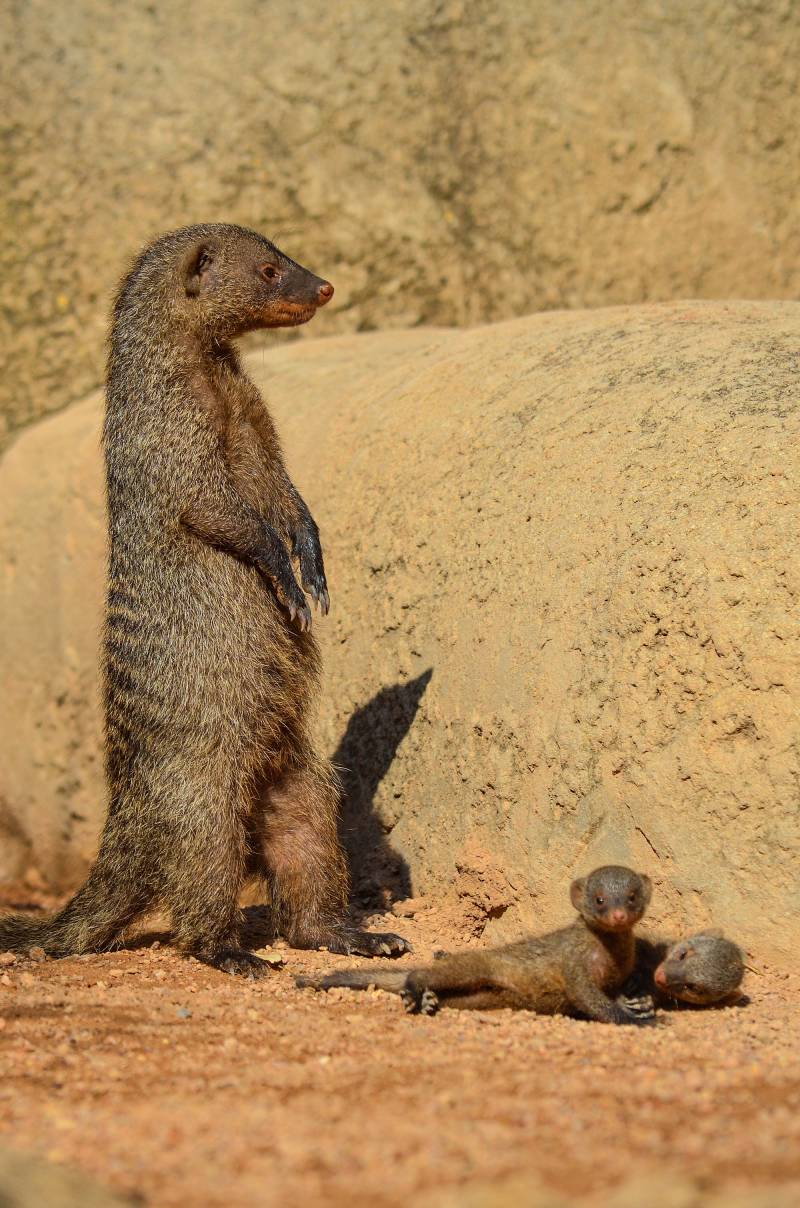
(325, 292)
(619, 916)
(660, 977)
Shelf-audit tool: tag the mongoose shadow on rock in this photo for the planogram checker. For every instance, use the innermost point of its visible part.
(363, 757)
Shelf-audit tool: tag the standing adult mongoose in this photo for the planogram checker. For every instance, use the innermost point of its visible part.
(210, 668)
(704, 970)
(574, 971)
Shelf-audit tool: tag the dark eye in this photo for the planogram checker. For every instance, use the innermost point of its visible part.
(632, 896)
(269, 272)
(203, 261)
(600, 900)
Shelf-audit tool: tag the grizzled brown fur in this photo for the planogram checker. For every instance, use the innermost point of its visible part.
(576, 971)
(210, 668)
(702, 969)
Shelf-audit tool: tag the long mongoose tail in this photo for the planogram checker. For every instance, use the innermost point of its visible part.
(91, 921)
(393, 980)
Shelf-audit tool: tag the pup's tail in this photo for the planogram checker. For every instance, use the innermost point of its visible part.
(393, 980)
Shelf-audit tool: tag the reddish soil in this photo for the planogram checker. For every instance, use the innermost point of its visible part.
(161, 1077)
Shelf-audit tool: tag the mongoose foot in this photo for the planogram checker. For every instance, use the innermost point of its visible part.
(622, 1016)
(641, 1005)
(237, 961)
(350, 941)
(419, 1002)
(312, 571)
(275, 563)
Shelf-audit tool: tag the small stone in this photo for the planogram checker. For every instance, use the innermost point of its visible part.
(183, 1013)
(7, 958)
(408, 908)
(273, 959)
(37, 954)
(27, 979)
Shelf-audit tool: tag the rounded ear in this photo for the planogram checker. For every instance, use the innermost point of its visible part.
(197, 265)
(576, 892)
(647, 887)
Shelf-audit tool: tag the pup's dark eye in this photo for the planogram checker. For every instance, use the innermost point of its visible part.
(632, 896)
(600, 900)
(269, 271)
(203, 261)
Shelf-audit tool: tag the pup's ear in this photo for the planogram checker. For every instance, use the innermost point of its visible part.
(647, 887)
(197, 265)
(576, 891)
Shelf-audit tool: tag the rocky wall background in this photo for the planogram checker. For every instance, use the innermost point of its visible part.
(442, 161)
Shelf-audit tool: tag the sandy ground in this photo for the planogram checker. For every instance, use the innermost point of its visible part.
(167, 1080)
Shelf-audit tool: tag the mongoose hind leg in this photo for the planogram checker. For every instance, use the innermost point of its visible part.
(204, 870)
(463, 981)
(307, 868)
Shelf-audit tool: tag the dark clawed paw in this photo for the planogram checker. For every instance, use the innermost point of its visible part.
(236, 961)
(352, 942)
(631, 1019)
(428, 1003)
(299, 612)
(303, 618)
(418, 1001)
(312, 575)
(640, 1005)
(410, 1002)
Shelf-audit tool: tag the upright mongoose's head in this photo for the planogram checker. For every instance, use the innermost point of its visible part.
(220, 281)
(702, 969)
(611, 898)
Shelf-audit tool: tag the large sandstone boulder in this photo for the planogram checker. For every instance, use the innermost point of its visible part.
(563, 553)
(443, 161)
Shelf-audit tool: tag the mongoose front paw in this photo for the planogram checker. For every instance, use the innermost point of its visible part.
(417, 1001)
(629, 1018)
(350, 941)
(640, 1005)
(312, 573)
(276, 565)
(236, 961)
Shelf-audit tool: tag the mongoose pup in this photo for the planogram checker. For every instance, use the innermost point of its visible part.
(574, 971)
(210, 669)
(703, 969)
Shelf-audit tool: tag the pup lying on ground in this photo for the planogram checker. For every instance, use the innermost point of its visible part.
(577, 970)
(704, 970)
